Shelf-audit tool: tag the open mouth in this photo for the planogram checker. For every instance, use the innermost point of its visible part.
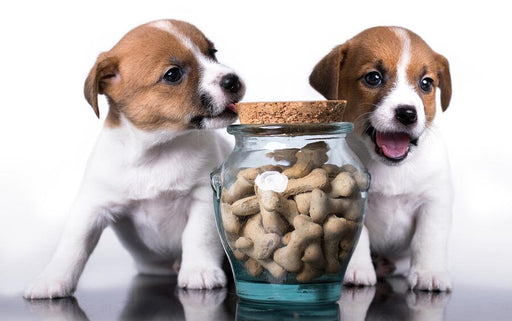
(393, 146)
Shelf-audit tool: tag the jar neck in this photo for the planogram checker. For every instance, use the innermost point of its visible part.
(250, 137)
(273, 142)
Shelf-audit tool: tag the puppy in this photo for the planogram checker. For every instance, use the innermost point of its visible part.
(389, 76)
(148, 176)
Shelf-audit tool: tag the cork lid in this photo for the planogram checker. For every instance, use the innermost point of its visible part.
(291, 112)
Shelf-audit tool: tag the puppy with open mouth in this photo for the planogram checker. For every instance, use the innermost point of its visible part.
(148, 176)
(389, 77)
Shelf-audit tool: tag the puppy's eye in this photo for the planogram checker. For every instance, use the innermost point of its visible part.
(373, 79)
(173, 75)
(212, 52)
(426, 85)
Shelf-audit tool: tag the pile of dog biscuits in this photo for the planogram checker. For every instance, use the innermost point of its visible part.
(299, 219)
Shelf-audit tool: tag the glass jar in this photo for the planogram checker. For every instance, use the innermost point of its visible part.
(289, 205)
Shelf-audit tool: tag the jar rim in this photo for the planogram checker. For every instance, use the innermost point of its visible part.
(291, 129)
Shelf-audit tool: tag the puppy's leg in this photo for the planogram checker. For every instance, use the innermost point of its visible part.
(202, 253)
(429, 248)
(360, 269)
(60, 277)
(402, 265)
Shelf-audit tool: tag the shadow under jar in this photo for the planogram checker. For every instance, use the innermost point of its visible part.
(289, 205)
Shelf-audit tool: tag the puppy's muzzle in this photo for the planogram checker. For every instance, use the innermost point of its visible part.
(219, 113)
(395, 145)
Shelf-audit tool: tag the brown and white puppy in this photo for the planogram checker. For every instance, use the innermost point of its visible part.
(389, 76)
(148, 176)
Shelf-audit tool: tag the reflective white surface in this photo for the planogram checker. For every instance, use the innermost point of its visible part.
(153, 298)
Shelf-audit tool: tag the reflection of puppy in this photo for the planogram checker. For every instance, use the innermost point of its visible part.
(392, 301)
(149, 298)
(155, 298)
(63, 309)
(148, 176)
(152, 298)
(388, 76)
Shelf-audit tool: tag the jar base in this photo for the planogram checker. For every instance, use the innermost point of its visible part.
(310, 293)
(250, 311)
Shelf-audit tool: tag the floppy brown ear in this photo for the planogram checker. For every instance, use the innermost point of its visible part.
(104, 72)
(325, 75)
(445, 80)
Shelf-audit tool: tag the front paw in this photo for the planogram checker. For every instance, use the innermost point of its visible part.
(201, 277)
(426, 280)
(49, 288)
(360, 274)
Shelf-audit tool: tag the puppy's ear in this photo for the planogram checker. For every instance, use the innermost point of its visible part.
(103, 74)
(445, 80)
(326, 74)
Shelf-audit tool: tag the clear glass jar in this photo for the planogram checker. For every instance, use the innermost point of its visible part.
(289, 205)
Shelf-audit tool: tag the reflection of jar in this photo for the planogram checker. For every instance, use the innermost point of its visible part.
(246, 311)
(289, 205)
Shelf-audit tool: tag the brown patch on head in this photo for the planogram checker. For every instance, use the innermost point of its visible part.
(341, 74)
(131, 76)
(426, 65)
(372, 50)
(345, 67)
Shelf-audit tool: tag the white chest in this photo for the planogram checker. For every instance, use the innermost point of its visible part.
(159, 222)
(391, 221)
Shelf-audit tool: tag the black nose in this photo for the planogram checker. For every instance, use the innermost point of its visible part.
(231, 83)
(406, 114)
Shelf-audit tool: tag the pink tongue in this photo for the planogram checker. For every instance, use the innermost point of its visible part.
(393, 145)
(231, 107)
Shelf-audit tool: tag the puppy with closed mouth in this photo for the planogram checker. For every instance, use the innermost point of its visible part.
(148, 176)
(389, 77)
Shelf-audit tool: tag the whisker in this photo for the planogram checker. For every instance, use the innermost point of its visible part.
(363, 120)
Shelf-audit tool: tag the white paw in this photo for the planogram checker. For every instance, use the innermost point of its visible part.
(201, 277)
(49, 288)
(426, 280)
(360, 274)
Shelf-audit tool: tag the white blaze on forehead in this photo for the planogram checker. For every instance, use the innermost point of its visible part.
(189, 44)
(172, 29)
(403, 91)
(405, 56)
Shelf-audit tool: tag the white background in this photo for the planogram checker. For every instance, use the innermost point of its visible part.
(47, 129)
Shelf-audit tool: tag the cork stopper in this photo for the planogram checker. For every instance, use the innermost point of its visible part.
(291, 112)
